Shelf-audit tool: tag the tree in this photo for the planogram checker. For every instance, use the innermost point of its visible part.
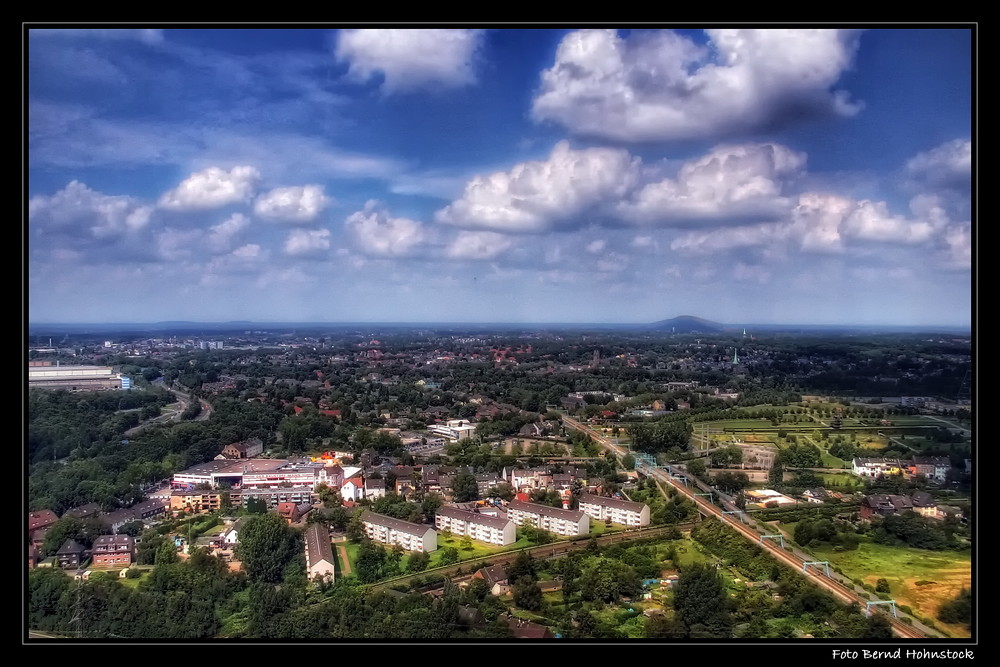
(959, 610)
(449, 555)
(266, 546)
(465, 487)
(418, 561)
(700, 600)
(697, 468)
(882, 585)
(527, 594)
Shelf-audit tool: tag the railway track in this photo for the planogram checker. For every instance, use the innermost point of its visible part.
(707, 508)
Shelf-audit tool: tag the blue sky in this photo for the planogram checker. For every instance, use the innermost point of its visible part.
(802, 175)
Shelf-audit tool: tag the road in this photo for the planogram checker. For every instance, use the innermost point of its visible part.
(794, 558)
(174, 414)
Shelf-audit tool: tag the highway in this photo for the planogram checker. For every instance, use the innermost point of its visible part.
(832, 583)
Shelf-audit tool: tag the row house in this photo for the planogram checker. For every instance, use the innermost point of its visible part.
(483, 527)
(113, 550)
(873, 467)
(196, 501)
(932, 467)
(390, 530)
(553, 519)
(319, 552)
(148, 509)
(615, 510)
(884, 505)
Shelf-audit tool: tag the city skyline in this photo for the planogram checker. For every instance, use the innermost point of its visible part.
(480, 175)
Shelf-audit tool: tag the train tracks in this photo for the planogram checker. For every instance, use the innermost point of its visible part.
(707, 508)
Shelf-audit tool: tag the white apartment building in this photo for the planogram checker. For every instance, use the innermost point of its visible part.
(622, 512)
(553, 519)
(454, 429)
(482, 527)
(389, 530)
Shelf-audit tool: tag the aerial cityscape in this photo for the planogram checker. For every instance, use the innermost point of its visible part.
(500, 334)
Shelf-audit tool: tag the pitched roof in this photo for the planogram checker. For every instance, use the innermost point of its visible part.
(473, 517)
(318, 546)
(603, 501)
(396, 524)
(493, 574)
(546, 510)
(41, 518)
(70, 547)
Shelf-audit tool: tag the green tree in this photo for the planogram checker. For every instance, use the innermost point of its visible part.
(465, 487)
(266, 546)
(701, 603)
(958, 610)
(449, 555)
(527, 594)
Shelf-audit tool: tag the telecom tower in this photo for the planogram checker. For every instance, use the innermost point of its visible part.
(736, 358)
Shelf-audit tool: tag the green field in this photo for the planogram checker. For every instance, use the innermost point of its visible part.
(918, 578)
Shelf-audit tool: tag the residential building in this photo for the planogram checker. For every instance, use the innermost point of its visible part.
(495, 577)
(243, 450)
(884, 505)
(319, 552)
(934, 468)
(113, 550)
(872, 467)
(483, 527)
(553, 519)
(70, 554)
(389, 530)
(618, 511)
(374, 487)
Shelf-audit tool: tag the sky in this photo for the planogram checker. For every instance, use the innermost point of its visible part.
(805, 175)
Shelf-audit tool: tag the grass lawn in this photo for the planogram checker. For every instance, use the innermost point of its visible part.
(478, 548)
(841, 481)
(831, 461)
(352, 553)
(918, 578)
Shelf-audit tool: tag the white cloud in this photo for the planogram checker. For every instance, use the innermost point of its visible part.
(871, 221)
(478, 245)
(947, 165)
(222, 237)
(78, 210)
(643, 242)
(292, 204)
(596, 246)
(540, 195)
(381, 235)
(958, 246)
(411, 57)
(175, 245)
(212, 188)
(304, 242)
(730, 182)
(655, 86)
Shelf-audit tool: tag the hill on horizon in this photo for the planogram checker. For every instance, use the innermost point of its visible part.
(688, 324)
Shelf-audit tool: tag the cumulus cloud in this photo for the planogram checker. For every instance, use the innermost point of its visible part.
(411, 58)
(478, 245)
(292, 204)
(948, 165)
(175, 245)
(596, 246)
(379, 234)
(871, 221)
(958, 246)
(222, 237)
(656, 86)
(730, 182)
(822, 223)
(565, 189)
(212, 188)
(306, 242)
(77, 210)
